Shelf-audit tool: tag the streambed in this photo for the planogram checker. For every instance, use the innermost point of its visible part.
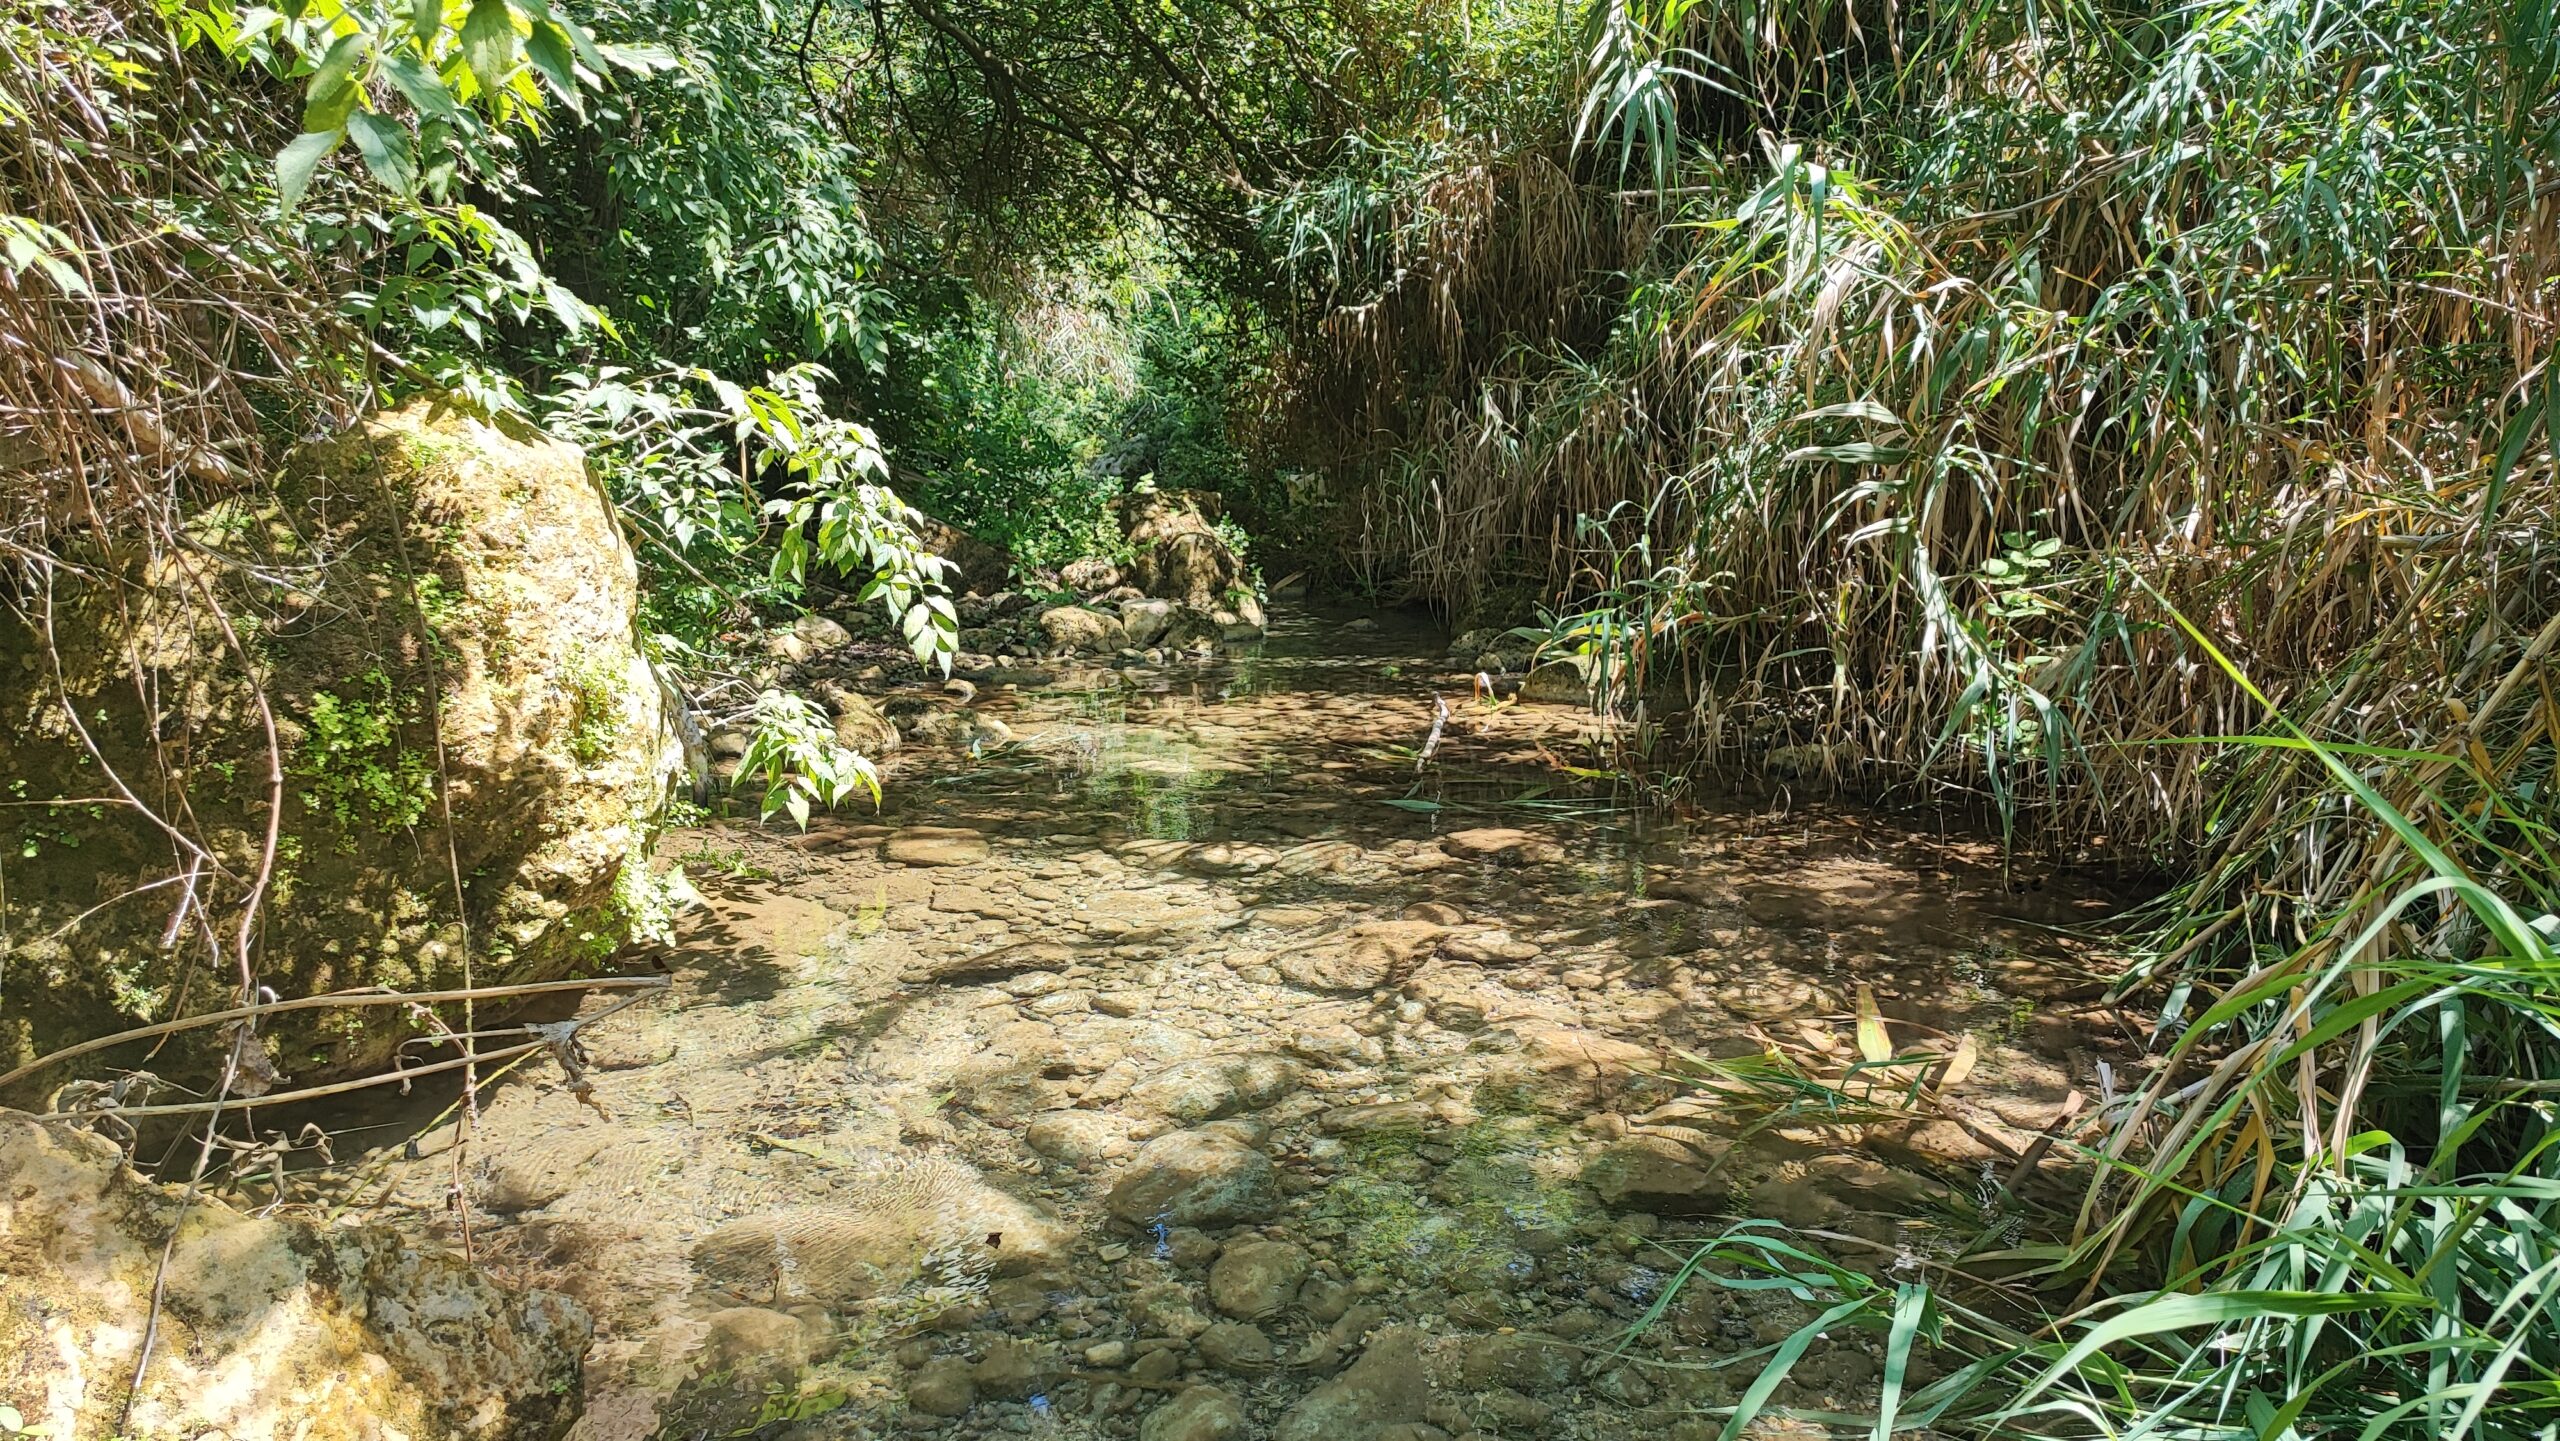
(1202, 1062)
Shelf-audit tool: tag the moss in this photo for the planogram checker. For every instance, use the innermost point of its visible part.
(513, 567)
(1470, 1221)
(596, 714)
(353, 764)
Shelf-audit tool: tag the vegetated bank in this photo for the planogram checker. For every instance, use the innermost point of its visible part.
(2139, 425)
(2048, 409)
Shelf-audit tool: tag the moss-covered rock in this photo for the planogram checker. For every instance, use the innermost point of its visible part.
(438, 615)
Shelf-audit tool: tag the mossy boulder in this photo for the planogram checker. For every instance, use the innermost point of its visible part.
(438, 615)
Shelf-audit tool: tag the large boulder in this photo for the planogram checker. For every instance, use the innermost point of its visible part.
(1072, 627)
(1178, 552)
(438, 615)
(266, 1330)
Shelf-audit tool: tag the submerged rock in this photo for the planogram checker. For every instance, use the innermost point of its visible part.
(1503, 845)
(936, 846)
(1215, 1086)
(1254, 1279)
(1657, 1174)
(874, 1237)
(943, 1386)
(1202, 1413)
(1362, 958)
(1196, 1178)
(269, 1329)
(1386, 1387)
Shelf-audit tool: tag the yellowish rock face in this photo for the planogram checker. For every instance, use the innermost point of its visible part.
(266, 1328)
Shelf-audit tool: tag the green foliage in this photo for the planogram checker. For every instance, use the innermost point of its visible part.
(706, 204)
(668, 444)
(596, 714)
(353, 764)
(792, 752)
(1006, 432)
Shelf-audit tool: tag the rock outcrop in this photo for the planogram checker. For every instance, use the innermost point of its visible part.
(268, 1330)
(1178, 553)
(439, 613)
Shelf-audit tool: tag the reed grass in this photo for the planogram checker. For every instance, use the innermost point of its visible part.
(2136, 423)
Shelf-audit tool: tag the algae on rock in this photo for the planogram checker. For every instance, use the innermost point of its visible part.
(440, 614)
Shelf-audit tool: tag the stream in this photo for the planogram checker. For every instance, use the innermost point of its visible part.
(1203, 1061)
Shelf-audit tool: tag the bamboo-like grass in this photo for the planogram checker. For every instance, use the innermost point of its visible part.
(2138, 423)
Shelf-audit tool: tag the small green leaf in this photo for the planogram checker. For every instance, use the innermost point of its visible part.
(328, 109)
(337, 66)
(299, 158)
(387, 150)
(426, 17)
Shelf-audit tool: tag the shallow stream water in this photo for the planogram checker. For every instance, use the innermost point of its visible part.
(1203, 1061)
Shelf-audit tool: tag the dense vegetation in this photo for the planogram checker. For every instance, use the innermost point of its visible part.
(2136, 422)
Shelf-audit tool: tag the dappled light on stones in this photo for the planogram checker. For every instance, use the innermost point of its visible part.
(1025, 1104)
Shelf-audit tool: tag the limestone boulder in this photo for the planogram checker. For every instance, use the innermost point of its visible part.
(437, 613)
(1179, 554)
(1073, 627)
(269, 1330)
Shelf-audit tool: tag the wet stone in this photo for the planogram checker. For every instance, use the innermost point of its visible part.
(1196, 1178)
(1239, 1347)
(1528, 1361)
(1215, 1086)
(1502, 845)
(942, 1387)
(1253, 1279)
(936, 846)
(1078, 1138)
(1387, 1386)
(1202, 1413)
(1014, 1370)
